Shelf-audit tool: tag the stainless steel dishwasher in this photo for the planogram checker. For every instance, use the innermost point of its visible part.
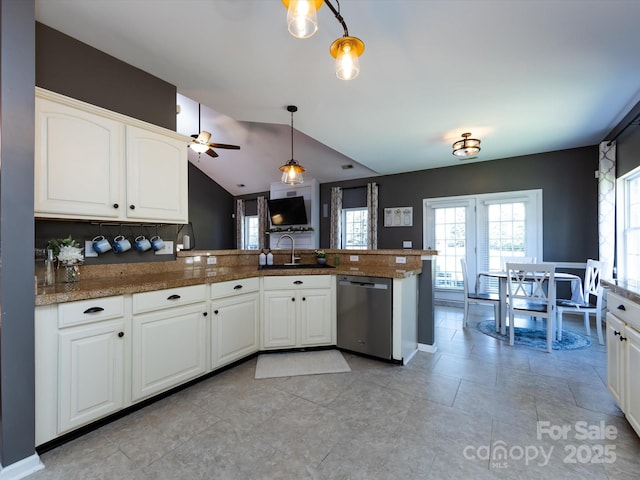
(365, 322)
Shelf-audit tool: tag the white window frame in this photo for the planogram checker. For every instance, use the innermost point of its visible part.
(477, 224)
(622, 224)
(343, 231)
(245, 240)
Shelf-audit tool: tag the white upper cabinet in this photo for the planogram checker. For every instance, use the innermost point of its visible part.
(93, 164)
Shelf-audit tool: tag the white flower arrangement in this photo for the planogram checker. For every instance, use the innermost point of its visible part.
(70, 255)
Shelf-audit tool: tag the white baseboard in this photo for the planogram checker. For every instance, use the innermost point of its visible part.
(21, 468)
(423, 347)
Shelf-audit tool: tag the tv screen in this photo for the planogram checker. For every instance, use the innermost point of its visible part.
(287, 211)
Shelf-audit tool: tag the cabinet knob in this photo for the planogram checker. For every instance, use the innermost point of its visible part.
(132, 207)
(293, 299)
(615, 332)
(304, 299)
(115, 205)
(204, 314)
(215, 311)
(120, 334)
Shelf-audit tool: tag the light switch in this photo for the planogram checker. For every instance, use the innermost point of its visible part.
(167, 249)
(88, 249)
(212, 260)
(353, 258)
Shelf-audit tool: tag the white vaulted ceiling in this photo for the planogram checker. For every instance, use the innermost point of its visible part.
(523, 76)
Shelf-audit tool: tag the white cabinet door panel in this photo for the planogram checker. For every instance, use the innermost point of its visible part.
(234, 332)
(315, 317)
(632, 379)
(279, 319)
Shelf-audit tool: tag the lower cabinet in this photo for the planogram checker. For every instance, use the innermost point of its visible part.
(168, 340)
(623, 356)
(298, 311)
(235, 316)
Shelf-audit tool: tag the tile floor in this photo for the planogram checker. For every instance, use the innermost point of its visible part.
(446, 415)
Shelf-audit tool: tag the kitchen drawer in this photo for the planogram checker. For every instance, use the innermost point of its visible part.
(297, 281)
(235, 287)
(89, 311)
(170, 297)
(624, 309)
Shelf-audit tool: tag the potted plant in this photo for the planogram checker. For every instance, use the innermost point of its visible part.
(68, 254)
(321, 257)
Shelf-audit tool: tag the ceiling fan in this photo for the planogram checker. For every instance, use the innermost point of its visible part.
(201, 142)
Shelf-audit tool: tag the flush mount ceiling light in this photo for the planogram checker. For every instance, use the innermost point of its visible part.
(292, 170)
(302, 23)
(466, 147)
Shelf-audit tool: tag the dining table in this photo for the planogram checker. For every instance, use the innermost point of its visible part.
(577, 295)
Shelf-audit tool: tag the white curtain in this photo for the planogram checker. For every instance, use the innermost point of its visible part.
(606, 205)
(336, 217)
(240, 224)
(372, 221)
(262, 222)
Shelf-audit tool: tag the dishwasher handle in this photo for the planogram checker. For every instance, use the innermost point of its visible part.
(355, 283)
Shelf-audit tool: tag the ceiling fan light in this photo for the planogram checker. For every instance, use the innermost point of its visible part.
(302, 20)
(466, 147)
(346, 50)
(198, 147)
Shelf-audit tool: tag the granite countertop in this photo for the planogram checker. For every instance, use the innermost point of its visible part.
(127, 284)
(625, 288)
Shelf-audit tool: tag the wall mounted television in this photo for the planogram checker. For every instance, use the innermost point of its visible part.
(287, 211)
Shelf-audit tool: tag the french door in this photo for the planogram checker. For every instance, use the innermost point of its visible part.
(483, 229)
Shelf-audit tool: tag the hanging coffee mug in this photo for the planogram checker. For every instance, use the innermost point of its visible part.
(157, 243)
(101, 244)
(121, 244)
(142, 243)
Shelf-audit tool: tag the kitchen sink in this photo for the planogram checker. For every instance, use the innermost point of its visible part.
(294, 267)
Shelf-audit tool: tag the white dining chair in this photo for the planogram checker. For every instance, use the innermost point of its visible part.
(531, 291)
(506, 260)
(593, 301)
(473, 297)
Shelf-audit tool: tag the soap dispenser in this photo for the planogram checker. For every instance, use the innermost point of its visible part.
(269, 258)
(262, 258)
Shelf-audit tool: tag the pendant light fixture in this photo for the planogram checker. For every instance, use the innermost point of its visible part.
(302, 23)
(466, 147)
(292, 170)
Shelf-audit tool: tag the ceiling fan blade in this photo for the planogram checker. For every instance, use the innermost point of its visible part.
(224, 145)
(203, 137)
(211, 153)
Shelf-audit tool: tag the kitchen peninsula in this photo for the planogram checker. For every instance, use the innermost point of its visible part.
(126, 333)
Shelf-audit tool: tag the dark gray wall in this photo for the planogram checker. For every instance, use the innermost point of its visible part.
(70, 67)
(17, 379)
(570, 230)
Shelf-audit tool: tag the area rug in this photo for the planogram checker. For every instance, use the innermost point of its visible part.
(272, 365)
(537, 338)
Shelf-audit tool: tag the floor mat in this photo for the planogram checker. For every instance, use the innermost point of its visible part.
(272, 365)
(536, 338)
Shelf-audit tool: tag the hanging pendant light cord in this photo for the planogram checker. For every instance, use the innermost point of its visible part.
(291, 134)
(336, 12)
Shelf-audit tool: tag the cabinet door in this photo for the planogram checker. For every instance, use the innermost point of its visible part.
(156, 177)
(91, 373)
(632, 379)
(78, 163)
(315, 316)
(279, 319)
(615, 329)
(168, 348)
(234, 332)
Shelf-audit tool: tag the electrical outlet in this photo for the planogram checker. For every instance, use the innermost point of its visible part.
(88, 249)
(167, 249)
(212, 260)
(353, 258)
(401, 259)
(407, 244)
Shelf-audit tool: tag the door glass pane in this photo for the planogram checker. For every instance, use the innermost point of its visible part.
(507, 232)
(450, 242)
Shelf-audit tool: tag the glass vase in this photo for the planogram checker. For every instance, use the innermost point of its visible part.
(69, 273)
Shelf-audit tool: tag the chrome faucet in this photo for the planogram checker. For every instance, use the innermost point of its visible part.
(293, 247)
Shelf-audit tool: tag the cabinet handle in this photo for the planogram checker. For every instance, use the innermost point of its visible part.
(623, 339)
(115, 205)
(237, 287)
(94, 310)
(621, 307)
(215, 311)
(615, 332)
(298, 282)
(132, 207)
(173, 297)
(204, 314)
(120, 334)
